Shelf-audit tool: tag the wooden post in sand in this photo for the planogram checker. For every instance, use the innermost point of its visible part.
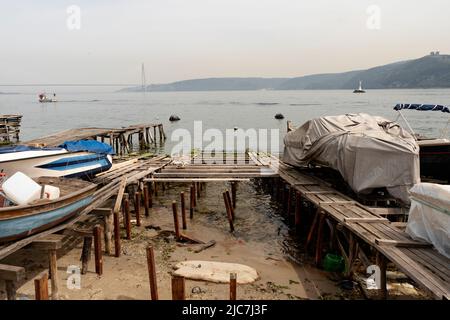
(116, 234)
(183, 211)
(230, 205)
(126, 205)
(298, 208)
(86, 253)
(198, 189)
(175, 220)
(178, 291)
(152, 273)
(227, 207)
(150, 195)
(137, 208)
(233, 286)
(233, 193)
(146, 200)
(41, 288)
(319, 242)
(194, 194)
(192, 204)
(98, 250)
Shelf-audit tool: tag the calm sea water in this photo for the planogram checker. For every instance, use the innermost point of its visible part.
(104, 107)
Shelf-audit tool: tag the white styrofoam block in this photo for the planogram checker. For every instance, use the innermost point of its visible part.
(51, 192)
(21, 189)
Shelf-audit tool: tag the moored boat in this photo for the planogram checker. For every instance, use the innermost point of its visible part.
(434, 152)
(20, 221)
(72, 159)
(360, 89)
(43, 98)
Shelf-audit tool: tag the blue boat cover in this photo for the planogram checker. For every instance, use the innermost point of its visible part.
(422, 107)
(21, 148)
(87, 145)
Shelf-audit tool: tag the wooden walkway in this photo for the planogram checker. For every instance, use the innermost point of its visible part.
(418, 260)
(224, 167)
(121, 139)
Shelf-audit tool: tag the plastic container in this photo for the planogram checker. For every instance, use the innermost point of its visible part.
(333, 263)
(51, 192)
(21, 189)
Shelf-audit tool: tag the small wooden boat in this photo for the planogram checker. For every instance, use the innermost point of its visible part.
(17, 222)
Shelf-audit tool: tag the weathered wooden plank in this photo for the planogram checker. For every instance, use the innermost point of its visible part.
(398, 243)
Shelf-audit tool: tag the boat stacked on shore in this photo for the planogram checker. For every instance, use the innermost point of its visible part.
(41, 187)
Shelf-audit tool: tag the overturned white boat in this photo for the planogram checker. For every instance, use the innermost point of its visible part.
(71, 159)
(369, 152)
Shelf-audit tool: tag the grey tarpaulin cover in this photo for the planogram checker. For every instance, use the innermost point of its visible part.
(369, 151)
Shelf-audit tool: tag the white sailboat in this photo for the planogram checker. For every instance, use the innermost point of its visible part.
(360, 89)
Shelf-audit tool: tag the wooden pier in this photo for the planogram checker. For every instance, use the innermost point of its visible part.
(352, 226)
(329, 220)
(121, 139)
(10, 128)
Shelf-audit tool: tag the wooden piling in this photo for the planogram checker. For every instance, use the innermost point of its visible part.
(233, 286)
(126, 206)
(178, 288)
(227, 207)
(54, 272)
(233, 193)
(191, 204)
(230, 206)
(197, 187)
(146, 201)
(194, 194)
(382, 263)
(175, 220)
(298, 208)
(312, 229)
(152, 273)
(183, 211)
(11, 276)
(108, 230)
(41, 288)
(98, 250)
(137, 208)
(10, 287)
(150, 196)
(86, 254)
(318, 257)
(116, 234)
(289, 202)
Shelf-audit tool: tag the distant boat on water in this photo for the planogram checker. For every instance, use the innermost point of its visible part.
(43, 98)
(360, 89)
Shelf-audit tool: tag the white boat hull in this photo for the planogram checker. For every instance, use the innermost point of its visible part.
(54, 163)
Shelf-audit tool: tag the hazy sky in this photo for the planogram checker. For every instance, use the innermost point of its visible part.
(182, 39)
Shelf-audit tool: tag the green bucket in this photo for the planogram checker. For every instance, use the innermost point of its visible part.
(333, 263)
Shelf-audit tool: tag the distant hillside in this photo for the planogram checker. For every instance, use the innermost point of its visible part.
(215, 84)
(431, 71)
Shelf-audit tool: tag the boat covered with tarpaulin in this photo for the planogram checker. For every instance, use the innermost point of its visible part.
(369, 152)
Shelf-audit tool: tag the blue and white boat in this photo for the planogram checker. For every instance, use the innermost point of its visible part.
(80, 159)
(20, 221)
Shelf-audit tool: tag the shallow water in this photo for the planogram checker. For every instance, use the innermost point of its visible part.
(104, 107)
